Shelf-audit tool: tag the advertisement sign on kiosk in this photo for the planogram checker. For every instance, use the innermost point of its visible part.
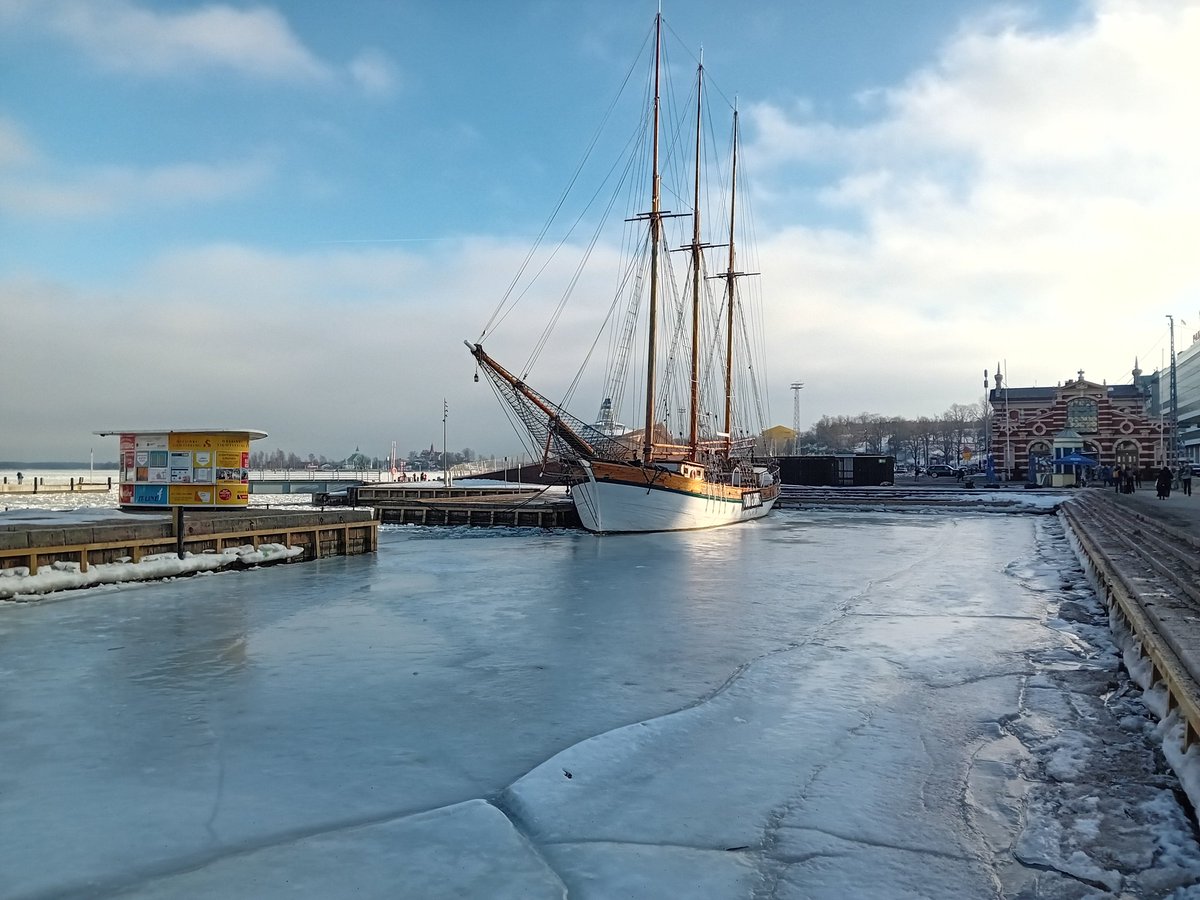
(185, 469)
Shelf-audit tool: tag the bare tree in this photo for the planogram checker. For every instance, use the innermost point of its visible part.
(905, 440)
(877, 432)
(926, 432)
(834, 434)
(959, 420)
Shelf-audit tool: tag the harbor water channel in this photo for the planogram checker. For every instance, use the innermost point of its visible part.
(820, 704)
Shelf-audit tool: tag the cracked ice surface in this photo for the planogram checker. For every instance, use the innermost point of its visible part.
(432, 864)
(818, 705)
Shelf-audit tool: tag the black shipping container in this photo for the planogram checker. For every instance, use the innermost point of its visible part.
(838, 471)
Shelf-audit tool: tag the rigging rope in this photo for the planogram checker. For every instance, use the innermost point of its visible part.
(500, 311)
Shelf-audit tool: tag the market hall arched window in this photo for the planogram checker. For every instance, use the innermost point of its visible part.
(1082, 415)
(1126, 454)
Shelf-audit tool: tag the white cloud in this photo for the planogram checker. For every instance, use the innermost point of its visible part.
(123, 36)
(374, 73)
(115, 190)
(139, 39)
(15, 148)
(1030, 192)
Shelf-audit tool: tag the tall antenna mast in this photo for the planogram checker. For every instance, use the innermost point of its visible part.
(797, 387)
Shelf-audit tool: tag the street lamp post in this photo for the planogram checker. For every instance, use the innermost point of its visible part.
(983, 415)
(1008, 460)
(1172, 457)
(445, 462)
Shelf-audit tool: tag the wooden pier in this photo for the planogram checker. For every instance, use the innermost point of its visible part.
(321, 534)
(435, 504)
(39, 484)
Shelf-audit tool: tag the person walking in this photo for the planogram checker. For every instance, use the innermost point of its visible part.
(1185, 479)
(1116, 477)
(1163, 483)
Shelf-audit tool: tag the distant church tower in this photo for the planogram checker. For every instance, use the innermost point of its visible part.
(1137, 374)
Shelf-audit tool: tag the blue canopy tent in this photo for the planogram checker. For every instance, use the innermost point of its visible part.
(1072, 465)
(1075, 459)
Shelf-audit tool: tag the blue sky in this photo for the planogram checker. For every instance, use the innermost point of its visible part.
(288, 216)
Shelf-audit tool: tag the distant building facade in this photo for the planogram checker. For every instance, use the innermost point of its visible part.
(1112, 421)
(778, 441)
(1187, 389)
(1187, 369)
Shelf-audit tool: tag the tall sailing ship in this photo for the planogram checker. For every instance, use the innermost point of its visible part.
(699, 470)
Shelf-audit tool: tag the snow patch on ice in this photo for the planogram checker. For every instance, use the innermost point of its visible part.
(1083, 723)
(1068, 758)
(17, 583)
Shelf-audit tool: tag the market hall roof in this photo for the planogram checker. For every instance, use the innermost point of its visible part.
(1049, 394)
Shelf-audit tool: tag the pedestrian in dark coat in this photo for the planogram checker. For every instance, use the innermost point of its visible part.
(1164, 483)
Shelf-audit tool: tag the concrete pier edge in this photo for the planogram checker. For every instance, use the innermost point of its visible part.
(1168, 661)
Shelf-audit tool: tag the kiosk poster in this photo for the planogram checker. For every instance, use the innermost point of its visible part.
(150, 495)
(232, 493)
(191, 494)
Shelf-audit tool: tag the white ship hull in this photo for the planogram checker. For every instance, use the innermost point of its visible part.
(609, 506)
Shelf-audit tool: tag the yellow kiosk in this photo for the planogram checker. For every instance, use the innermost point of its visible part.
(190, 468)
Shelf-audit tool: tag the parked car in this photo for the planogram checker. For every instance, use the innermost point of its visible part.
(941, 470)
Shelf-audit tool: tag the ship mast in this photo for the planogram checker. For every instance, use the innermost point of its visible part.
(655, 229)
(694, 417)
(731, 275)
